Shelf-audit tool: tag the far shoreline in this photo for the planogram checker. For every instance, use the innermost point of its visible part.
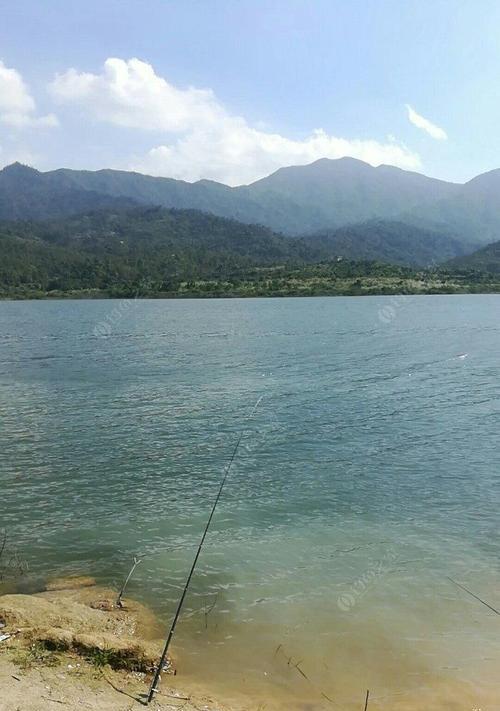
(195, 296)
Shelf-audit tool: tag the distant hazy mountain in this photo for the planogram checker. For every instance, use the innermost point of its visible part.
(62, 192)
(300, 200)
(345, 191)
(471, 212)
(486, 259)
(389, 241)
(26, 193)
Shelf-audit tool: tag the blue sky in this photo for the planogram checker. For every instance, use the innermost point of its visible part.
(232, 90)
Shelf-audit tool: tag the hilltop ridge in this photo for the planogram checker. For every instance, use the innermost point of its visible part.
(295, 200)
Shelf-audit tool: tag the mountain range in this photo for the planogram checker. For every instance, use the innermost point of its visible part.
(329, 208)
(295, 200)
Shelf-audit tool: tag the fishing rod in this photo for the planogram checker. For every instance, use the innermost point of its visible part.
(367, 699)
(154, 684)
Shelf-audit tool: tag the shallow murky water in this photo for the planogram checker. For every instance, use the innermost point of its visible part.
(367, 478)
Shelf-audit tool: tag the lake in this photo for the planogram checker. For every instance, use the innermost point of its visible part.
(367, 477)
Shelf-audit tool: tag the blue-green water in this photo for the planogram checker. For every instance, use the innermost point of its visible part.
(367, 475)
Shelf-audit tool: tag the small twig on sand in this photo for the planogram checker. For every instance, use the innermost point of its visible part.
(327, 697)
(174, 696)
(473, 595)
(137, 560)
(121, 691)
(296, 665)
(367, 698)
(54, 701)
(301, 672)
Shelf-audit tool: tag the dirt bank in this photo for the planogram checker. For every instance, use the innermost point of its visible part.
(72, 647)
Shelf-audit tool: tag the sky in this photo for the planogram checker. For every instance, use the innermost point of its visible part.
(231, 90)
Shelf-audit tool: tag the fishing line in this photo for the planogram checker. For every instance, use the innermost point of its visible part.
(153, 688)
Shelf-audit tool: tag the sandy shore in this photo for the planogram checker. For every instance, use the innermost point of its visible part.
(82, 687)
(72, 647)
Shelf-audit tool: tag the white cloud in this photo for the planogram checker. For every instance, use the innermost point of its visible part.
(17, 106)
(130, 94)
(240, 154)
(204, 139)
(16, 120)
(420, 122)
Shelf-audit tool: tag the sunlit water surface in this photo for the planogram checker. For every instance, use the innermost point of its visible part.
(367, 477)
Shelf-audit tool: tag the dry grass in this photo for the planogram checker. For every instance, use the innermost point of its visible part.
(83, 621)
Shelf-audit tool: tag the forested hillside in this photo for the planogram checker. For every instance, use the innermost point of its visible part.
(104, 249)
(485, 260)
(155, 251)
(390, 241)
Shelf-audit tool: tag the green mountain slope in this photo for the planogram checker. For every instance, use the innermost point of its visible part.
(102, 249)
(159, 251)
(295, 200)
(471, 213)
(486, 259)
(345, 191)
(300, 200)
(26, 193)
(392, 242)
